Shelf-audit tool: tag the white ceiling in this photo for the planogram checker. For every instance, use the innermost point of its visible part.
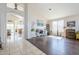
(41, 10)
(12, 5)
(13, 17)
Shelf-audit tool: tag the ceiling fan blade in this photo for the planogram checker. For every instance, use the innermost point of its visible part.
(16, 6)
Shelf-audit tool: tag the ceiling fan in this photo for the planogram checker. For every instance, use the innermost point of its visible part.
(16, 6)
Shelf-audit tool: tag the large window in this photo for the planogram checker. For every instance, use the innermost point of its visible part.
(58, 27)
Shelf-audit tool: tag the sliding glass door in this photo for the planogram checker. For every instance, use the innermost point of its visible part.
(54, 27)
(58, 27)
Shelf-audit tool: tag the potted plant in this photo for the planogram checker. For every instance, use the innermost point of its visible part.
(32, 30)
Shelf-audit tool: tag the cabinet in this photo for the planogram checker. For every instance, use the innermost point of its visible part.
(70, 33)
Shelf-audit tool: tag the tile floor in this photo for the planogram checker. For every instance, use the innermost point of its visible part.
(20, 46)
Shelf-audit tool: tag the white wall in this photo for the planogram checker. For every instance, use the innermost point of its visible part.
(77, 25)
(3, 23)
(66, 19)
(72, 18)
(25, 21)
(30, 18)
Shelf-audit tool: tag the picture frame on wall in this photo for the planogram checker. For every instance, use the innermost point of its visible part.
(40, 23)
(71, 24)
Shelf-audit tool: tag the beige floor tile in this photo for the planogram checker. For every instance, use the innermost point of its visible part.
(20, 47)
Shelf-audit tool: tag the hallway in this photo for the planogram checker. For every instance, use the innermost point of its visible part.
(20, 47)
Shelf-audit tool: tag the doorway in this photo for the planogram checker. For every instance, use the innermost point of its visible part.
(58, 28)
(14, 27)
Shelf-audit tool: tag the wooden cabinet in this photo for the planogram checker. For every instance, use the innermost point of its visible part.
(70, 33)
